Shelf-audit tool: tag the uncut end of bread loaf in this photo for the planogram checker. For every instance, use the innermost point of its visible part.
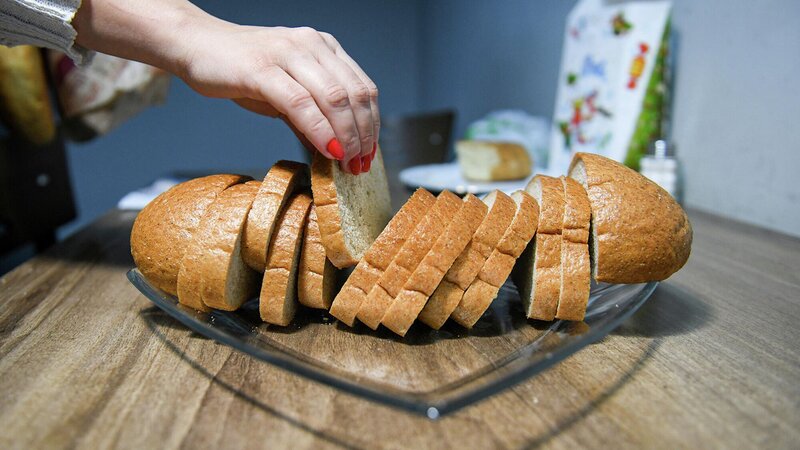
(316, 277)
(378, 257)
(416, 246)
(352, 209)
(501, 211)
(431, 270)
(497, 268)
(279, 184)
(163, 230)
(538, 272)
(278, 299)
(493, 161)
(226, 280)
(575, 265)
(639, 233)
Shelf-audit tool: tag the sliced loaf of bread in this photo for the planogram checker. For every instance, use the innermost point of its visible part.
(278, 299)
(576, 278)
(213, 273)
(352, 209)
(639, 232)
(538, 270)
(316, 276)
(466, 267)
(429, 273)
(380, 254)
(163, 230)
(484, 288)
(417, 245)
(279, 184)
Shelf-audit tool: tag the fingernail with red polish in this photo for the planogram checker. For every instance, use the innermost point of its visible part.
(366, 163)
(335, 149)
(355, 165)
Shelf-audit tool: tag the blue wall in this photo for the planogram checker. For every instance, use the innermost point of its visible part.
(191, 132)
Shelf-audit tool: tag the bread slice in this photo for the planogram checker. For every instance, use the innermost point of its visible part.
(278, 299)
(466, 267)
(484, 288)
(316, 276)
(213, 266)
(279, 184)
(354, 291)
(164, 228)
(575, 267)
(493, 161)
(430, 271)
(352, 209)
(639, 233)
(417, 245)
(538, 272)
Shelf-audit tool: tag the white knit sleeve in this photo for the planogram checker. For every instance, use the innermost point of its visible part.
(43, 23)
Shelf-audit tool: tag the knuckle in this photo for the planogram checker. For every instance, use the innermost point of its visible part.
(361, 93)
(336, 96)
(307, 33)
(373, 91)
(298, 100)
(317, 124)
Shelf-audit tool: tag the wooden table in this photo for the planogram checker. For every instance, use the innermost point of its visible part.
(711, 360)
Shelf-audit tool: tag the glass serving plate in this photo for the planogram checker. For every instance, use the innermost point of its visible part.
(428, 372)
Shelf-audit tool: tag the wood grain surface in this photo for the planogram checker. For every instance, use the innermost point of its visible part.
(711, 361)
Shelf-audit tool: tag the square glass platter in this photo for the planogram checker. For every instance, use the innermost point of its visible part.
(428, 372)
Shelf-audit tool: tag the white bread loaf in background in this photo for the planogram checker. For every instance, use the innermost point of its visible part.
(493, 161)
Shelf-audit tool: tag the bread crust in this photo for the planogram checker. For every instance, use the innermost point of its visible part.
(278, 300)
(315, 275)
(483, 290)
(639, 232)
(417, 245)
(324, 173)
(466, 267)
(543, 299)
(279, 184)
(163, 229)
(354, 291)
(431, 270)
(575, 267)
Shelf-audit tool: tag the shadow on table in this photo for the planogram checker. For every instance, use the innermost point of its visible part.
(155, 319)
(670, 311)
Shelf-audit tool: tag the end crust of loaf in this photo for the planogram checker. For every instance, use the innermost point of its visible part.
(483, 290)
(278, 299)
(352, 209)
(639, 232)
(466, 267)
(279, 184)
(158, 245)
(431, 270)
(538, 272)
(575, 267)
(347, 302)
(493, 161)
(417, 245)
(316, 277)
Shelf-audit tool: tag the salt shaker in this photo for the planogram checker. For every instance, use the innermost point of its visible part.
(661, 166)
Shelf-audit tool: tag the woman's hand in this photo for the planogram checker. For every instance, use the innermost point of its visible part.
(297, 74)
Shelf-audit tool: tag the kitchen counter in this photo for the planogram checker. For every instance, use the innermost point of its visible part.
(711, 360)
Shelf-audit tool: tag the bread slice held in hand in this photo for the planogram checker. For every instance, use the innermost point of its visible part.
(278, 186)
(352, 209)
(165, 227)
(316, 275)
(639, 232)
(416, 246)
(375, 261)
(213, 272)
(575, 266)
(485, 287)
(448, 294)
(278, 299)
(423, 281)
(537, 274)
